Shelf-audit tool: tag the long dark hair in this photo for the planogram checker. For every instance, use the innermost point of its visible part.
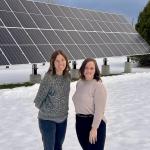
(82, 68)
(52, 60)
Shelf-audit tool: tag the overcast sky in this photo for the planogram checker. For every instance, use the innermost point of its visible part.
(130, 8)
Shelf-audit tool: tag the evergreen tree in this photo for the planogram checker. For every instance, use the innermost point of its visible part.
(143, 28)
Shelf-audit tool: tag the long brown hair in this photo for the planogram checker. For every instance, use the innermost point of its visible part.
(52, 60)
(82, 68)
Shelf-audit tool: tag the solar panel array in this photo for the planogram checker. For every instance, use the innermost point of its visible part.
(31, 31)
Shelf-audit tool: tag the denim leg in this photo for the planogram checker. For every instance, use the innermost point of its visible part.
(48, 131)
(60, 134)
(83, 127)
(101, 135)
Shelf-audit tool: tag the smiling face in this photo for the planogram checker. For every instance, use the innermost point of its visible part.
(59, 64)
(89, 70)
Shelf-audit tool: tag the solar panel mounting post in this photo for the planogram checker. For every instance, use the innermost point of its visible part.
(74, 71)
(74, 64)
(128, 59)
(105, 61)
(128, 66)
(34, 69)
(105, 68)
(34, 77)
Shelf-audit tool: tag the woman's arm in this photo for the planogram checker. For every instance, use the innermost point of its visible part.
(100, 97)
(99, 104)
(42, 92)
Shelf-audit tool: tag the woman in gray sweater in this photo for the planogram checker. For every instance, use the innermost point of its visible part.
(89, 100)
(52, 102)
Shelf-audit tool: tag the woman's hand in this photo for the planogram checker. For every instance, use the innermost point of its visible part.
(93, 136)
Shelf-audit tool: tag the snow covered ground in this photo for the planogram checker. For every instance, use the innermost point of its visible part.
(127, 111)
(21, 73)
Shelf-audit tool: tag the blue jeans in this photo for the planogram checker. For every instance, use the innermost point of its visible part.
(53, 134)
(83, 127)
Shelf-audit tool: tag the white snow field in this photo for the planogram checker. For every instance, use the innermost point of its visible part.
(127, 111)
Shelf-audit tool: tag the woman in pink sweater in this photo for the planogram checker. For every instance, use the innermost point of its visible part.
(90, 100)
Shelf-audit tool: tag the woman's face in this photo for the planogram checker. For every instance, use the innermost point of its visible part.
(89, 70)
(60, 64)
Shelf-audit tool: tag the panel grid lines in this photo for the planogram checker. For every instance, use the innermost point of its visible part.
(33, 29)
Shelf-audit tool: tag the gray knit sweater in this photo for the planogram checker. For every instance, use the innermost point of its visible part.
(52, 97)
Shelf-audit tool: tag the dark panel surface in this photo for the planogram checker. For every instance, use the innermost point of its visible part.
(32, 54)
(9, 19)
(31, 31)
(14, 55)
(5, 37)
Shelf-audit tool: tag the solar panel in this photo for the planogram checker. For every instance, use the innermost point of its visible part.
(105, 38)
(97, 50)
(103, 26)
(56, 10)
(94, 15)
(129, 48)
(53, 22)
(18, 34)
(64, 49)
(96, 37)
(146, 47)
(123, 49)
(86, 14)
(107, 51)
(51, 36)
(43, 8)
(67, 25)
(9, 19)
(75, 51)
(1, 23)
(115, 50)
(87, 38)
(3, 6)
(40, 21)
(32, 53)
(111, 27)
(76, 37)
(121, 38)
(14, 55)
(5, 38)
(76, 23)
(37, 36)
(15, 6)
(95, 26)
(67, 12)
(31, 7)
(64, 37)
(25, 20)
(3, 59)
(87, 26)
(46, 51)
(113, 38)
(77, 13)
(86, 50)
(103, 16)
(31, 31)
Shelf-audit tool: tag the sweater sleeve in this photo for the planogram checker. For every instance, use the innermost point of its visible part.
(42, 91)
(100, 97)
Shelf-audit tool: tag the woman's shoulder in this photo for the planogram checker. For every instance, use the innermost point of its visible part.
(47, 76)
(80, 81)
(68, 75)
(97, 84)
